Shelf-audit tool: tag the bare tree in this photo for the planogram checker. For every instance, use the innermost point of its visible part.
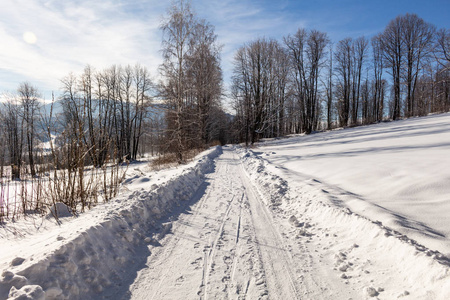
(378, 85)
(242, 95)
(393, 47)
(143, 85)
(360, 48)
(282, 68)
(417, 37)
(443, 47)
(178, 29)
(442, 80)
(307, 51)
(14, 135)
(329, 89)
(30, 105)
(205, 75)
(258, 88)
(343, 55)
(192, 79)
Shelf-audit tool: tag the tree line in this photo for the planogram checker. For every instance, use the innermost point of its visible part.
(304, 83)
(100, 115)
(70, 150)
(112, 115)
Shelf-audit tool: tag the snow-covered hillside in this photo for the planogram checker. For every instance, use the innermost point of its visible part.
(359, 213)
(397, 173)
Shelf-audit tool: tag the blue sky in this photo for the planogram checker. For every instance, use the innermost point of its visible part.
(44, 40)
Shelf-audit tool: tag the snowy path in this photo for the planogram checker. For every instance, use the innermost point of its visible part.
(229, 246)
(226, 247)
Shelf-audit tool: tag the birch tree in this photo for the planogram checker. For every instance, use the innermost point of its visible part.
(178, 29)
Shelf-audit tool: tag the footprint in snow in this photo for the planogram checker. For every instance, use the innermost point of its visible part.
(227, 260)
(371, 292)
(196, 263)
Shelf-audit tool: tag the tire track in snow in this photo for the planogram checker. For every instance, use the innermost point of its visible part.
(275, 258)
(211, 252)
(218, 249)
(165, 259)
(239, 219)
(224, 276)
(168, 253)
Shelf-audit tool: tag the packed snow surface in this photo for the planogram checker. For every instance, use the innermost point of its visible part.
(357, 213)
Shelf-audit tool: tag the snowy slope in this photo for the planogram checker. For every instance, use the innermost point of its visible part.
(344, 247)
(397, 173)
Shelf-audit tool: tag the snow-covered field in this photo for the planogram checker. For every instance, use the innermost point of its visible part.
(397, 173)
(359, 213)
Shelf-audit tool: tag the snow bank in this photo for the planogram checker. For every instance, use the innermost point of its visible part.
(275, 189)
(356, 246)
(97, 260)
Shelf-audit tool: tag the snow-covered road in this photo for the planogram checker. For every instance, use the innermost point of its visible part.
(225, 246)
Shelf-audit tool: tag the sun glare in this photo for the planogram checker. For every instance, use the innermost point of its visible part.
(29, 37)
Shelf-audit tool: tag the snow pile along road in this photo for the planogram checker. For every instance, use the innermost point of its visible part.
(94, 255)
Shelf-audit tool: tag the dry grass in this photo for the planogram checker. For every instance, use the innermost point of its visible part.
(169, 160)
(79, 189)
(215, 143)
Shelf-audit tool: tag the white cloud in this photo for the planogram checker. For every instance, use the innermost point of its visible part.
(44, 40)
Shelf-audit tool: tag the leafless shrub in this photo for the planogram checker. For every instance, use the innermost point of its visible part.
(168, 160)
